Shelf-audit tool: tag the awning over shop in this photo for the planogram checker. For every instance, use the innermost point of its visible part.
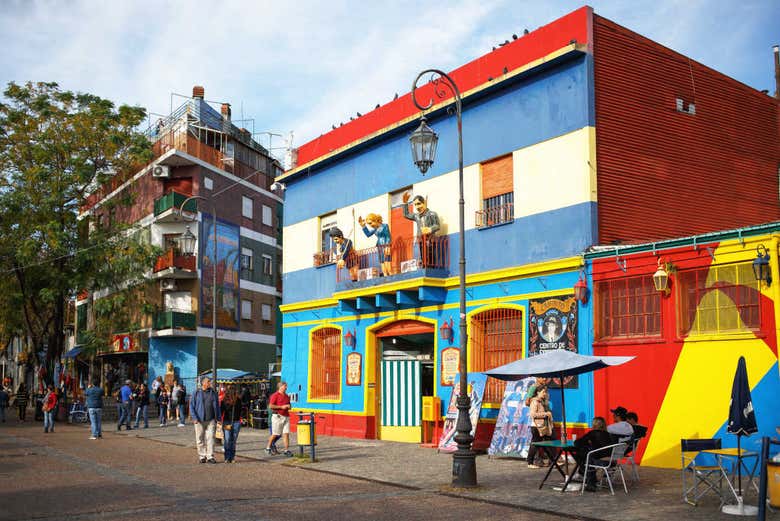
(73, 353)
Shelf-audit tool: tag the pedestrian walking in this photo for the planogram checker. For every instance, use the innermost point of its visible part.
(231, 407)
(48, 407)
(142, 404)
(20, 400)
(163, 400)
(156, 384)
(204, 411)
(182, 404)
(173, 413)
(125, 405)
(279, 403)
(4, 399)
(94, 401)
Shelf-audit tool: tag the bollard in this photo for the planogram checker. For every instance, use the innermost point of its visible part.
(307, 433)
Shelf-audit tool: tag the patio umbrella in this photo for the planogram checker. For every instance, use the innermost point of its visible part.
(742, 419)
(557, 363)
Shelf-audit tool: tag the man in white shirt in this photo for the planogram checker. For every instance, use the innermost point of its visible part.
(620, 429)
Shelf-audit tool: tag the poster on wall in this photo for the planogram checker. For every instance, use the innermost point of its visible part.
(354, 368)
(228, 253)
(476, 390)
(512, 435)
(552, 324)
(450, 365)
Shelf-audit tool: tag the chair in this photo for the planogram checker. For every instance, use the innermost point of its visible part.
(628, 457)
(609, 467)
(704, 476)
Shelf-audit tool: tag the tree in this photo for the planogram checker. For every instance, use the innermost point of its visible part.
(56, 147)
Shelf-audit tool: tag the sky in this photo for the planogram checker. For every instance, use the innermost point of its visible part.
(303, 66)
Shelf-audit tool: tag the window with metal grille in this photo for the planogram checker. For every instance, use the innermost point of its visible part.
(627, 307)
(325, 357)
(719, 299)
(496, 339)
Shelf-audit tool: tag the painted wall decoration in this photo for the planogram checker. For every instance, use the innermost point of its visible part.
(512, 435)
(476, 389)
(228, 253)
(552, 324)
(354, 368)
(450, 364)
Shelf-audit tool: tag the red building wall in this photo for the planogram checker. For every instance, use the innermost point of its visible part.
(663, 173)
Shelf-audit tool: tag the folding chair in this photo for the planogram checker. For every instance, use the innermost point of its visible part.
(628, 458)
(609, 466)
(705, 478)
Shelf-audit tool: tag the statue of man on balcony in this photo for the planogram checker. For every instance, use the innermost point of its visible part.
(427, 225)
(345, 256)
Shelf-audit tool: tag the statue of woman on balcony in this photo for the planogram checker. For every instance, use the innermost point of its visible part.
(372, 225)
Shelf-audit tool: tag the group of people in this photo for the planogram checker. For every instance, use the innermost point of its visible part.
(624, 428)
(19, 400)
(133, 402)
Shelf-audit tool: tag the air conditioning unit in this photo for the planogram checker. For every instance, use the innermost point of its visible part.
(161, 171)
(167, 285)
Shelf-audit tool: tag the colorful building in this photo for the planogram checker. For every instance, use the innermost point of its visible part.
(578, 134)
(198, 151)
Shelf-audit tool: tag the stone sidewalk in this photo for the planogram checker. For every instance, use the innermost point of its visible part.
(501, 481)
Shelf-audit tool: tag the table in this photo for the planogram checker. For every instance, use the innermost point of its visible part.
(558, 447)
(734, 453)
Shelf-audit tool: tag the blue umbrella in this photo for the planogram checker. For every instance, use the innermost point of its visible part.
(557, 363)
(742, 418)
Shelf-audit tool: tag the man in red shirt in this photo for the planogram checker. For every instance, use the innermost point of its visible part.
(279, 403)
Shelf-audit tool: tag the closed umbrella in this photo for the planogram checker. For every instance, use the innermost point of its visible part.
(742, 422)
(557, 363)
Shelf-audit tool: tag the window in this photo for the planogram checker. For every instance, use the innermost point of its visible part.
(627, 307)
(246, 206)
(266, 310)
(247, 259)
(496, 339)
(498, 196)
(267, 270)
(327, 222)
(325, 361)
(719, 299)
(268, 218)
(208, 183)
(246, 309)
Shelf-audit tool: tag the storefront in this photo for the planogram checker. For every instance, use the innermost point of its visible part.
(125, 359)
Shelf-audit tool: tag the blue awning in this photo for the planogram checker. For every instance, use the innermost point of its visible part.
(73, 353)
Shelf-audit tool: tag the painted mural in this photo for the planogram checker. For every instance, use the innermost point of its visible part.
(512, 435)
(227, 266)
(476, 389)
(552, 324)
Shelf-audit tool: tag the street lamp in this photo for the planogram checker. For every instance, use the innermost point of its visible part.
(186, 243)
(423, 142)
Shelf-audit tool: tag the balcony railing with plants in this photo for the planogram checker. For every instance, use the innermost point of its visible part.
(402, 256)
(171, 200)
(172, 319)
(491, 216)
(170, 259)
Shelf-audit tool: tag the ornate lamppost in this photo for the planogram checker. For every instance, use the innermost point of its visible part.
(424, 141)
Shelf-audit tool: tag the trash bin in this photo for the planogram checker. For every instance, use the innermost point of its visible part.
(306, 435)
(773, 482)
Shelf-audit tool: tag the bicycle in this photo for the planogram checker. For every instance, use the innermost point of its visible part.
(78, 413)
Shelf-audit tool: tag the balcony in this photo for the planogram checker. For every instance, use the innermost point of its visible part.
(405, 258)
(175, 320)
(166, 208)
(172, 266)
(495, 215)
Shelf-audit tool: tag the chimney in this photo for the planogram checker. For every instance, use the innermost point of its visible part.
(198, 92)
(225, 111)
(776, 49)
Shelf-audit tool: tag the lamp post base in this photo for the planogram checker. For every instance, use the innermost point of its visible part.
(464, 469)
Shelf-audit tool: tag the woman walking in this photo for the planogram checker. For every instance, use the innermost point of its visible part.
(142, 400)
(163, 400)
(231, 422)
(21, 401)
(541, 422)
(49, 404)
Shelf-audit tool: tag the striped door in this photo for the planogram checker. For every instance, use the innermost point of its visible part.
(401, 396)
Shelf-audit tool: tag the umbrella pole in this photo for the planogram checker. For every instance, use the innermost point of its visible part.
(739, 464)
(563, 408)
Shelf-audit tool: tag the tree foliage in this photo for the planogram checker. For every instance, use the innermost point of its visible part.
(56, 147)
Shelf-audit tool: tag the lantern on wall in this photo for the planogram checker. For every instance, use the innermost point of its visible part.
(349, 339)
(186, 242)
(581, 290)
(661, 278)
(445, 331)
(423, 141)
(761, 265)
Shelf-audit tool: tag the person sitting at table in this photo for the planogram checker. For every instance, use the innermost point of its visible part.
(596, 438)
(621, 430)
(541, 422)
(640, 431)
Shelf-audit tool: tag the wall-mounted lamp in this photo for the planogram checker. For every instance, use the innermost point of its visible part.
(581, 290)
(349, 339)
(446, 331)
(761, 265)
(661, 277)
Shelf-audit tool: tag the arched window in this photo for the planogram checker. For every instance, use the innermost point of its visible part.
(325, 363)
(496, 339)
